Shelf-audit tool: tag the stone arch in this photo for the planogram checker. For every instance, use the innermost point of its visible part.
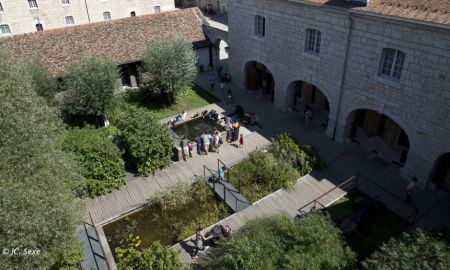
(259, 77)
(440, 173)
(380, 133)
(301, 94)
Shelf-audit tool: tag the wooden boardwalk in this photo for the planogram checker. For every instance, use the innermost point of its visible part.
(306, 190)
(228, 193)
(138, 191)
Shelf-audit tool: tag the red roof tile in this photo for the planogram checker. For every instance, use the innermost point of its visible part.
(123, 40)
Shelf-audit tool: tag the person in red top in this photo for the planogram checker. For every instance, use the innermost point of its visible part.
(241, 141)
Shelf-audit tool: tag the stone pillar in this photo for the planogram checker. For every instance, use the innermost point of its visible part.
(418, 167)
(330, 127)
(280, 100)
(343, 130)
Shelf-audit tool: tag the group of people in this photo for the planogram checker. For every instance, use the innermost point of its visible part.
(232, 128)
(203, 241)
(178, 118)
(207, 142)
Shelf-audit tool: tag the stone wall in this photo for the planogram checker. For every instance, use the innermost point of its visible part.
(51, 13)
(419, 102)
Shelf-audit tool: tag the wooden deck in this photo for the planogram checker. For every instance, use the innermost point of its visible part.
(306, 190)
(138, 191)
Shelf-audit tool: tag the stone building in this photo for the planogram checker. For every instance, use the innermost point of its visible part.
(375, 72)
(25, 16)
(209, 7)
(122, 40)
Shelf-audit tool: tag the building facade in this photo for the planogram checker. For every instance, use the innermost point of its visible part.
(209, 7)
(377, 73)
(26, 16)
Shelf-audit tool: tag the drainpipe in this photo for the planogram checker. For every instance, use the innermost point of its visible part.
(87, 11)
(344, 71)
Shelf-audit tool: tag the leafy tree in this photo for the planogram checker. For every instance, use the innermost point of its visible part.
(171, 65)
(147, 141)
(311, 242)
(419, 250)
(90, 87)
(42, 81)
(38, 181)
(100, 159)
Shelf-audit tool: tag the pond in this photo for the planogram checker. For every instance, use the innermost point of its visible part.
(192, 128)
(171, 219)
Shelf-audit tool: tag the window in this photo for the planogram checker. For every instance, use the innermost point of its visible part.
(106, 15)
(260, 26)
(157, 9)
(70, 20)
(5, 30)
(65, 2)
(133, 13)
(32, 3)
(39, 27)
(391, 63)
(1, 7)
(313, 41)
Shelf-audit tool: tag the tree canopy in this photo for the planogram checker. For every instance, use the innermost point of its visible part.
(38, 182)
(90, 86)
(419, 250)
(42, 81)
(311, 242)
(171, 65)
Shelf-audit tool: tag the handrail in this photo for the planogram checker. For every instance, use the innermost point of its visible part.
(316, 200)
(89, 238)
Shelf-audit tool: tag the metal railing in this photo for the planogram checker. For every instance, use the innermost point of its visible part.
(350, 183)
(216, 179)
(89, 238)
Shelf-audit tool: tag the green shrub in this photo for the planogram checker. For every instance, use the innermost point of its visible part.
(99, 158)
(41, 80)
(304, 158)
(279, 242)
(155, 257)
(147, 141)
(263, 174)
(419, 250)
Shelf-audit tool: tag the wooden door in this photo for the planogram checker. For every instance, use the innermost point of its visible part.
(251, 79)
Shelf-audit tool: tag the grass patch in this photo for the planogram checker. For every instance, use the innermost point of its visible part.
(378, 224)
(188, 99)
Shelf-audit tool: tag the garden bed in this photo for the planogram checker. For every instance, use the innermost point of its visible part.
(169, 218)
(378, 224)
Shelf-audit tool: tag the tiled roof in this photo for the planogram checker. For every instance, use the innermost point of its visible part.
(435, 11)
(123, 40)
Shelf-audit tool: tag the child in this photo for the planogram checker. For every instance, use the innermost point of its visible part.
(241, 141)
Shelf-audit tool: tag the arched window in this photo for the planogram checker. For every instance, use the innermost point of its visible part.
(106, 15)
(391, 64)
(313, 40)
(260, 26)
(39, 27)
(157, 9)
(4, 29)
(32, 3)
(70, 20)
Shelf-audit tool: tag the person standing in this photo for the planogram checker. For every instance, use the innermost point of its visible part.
(198, 140)
(212, 81)
(217, 140)
(222, 173)
(185, 146)
(229, 134)
(241, 141)
(205, 143)
(409, 188)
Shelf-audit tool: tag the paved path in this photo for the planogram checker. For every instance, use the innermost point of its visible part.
(138, 191)
(380, 179)
(306, 190)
